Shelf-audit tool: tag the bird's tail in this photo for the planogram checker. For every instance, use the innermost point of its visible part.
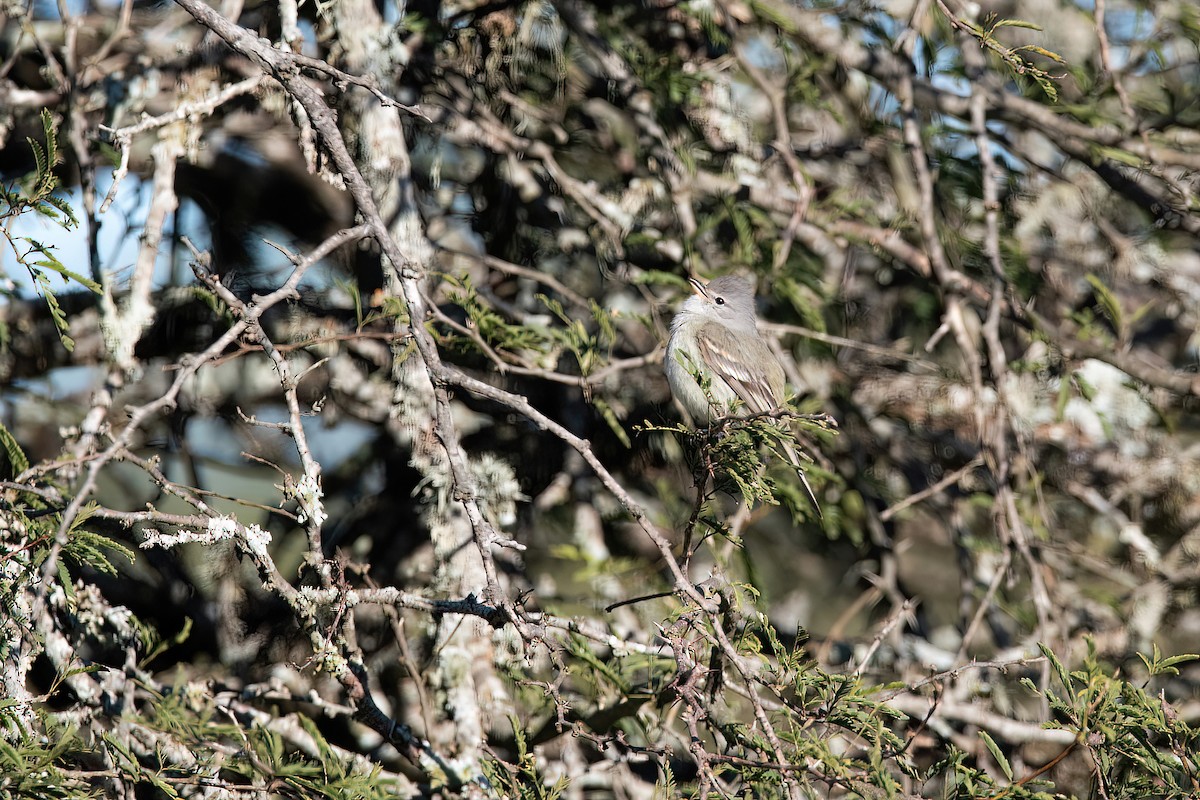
(797, 463)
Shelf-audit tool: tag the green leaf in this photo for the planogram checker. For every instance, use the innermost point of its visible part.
(1120, 155)
(41, 165)
(1180, 659)
(64, 580)
(655, 277)
(323, 749)
(56, 313)
(37, 196)
(88, 548)
(14, 456)
(54, 264)
(49, 130)
(1016, 23)
(1063, 676)
(610, 417)
(1041, 51)
(70, 221)
(1157, 665)
(994, 749)
(160, 645)
(1109, 304)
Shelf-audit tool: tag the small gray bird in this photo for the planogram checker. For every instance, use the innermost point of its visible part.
(715, 334)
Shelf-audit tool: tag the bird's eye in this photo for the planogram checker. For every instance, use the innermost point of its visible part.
(719, 300)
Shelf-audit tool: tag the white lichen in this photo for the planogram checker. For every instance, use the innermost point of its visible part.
(251, 538)
(309, 493)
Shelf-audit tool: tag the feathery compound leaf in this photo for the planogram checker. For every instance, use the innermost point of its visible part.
(41, 164)
(37, 196)
(1041, 51)
(50, 262)
(1109, 303)
(15, 459)
(610, 418)
(56, 313)
(994, 749)
(69, 219)
(1063, 676)
(91, 549)
(50, 131)
(1015, 23)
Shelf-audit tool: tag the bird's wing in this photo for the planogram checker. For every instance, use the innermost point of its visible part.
(761, 389)
(745, 363)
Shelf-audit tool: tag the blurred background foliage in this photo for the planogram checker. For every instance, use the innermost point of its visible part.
(974, 234)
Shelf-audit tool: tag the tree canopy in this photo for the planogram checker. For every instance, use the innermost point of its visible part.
(338, 458)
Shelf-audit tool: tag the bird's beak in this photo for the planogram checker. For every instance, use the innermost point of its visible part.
(698, 287)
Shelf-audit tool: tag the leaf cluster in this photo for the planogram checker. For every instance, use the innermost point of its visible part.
(36, 194)
(32, 525)
(521, 780)
(1015, 58)
(1141, 745)
(32, 768)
